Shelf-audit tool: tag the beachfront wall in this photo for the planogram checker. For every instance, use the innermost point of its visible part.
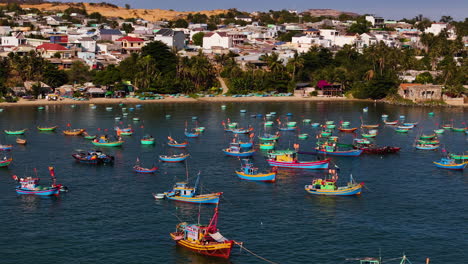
(420, 92)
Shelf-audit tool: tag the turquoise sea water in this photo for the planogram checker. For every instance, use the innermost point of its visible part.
(110, 216)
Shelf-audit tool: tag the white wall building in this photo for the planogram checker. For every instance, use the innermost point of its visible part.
(171, 38)
(436, 28)
(217, 39)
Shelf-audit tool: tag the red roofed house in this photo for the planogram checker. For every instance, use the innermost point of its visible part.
(48, 50)
(217, 39)
(131, 44)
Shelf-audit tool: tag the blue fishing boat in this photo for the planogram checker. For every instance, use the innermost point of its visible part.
(241, 130)
(448, 163)
(330, 188)
(246, 144)
(235, 150)
(249, 172)
(181, 192)
(175, 144)
(191, 134)
(139, 169)
(6, 147)
(30, 185)
(93, 157)
(174, 158)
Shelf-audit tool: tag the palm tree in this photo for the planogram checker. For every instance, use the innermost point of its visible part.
(295, 63)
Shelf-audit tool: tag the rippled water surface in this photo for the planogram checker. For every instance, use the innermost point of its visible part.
(109, 215)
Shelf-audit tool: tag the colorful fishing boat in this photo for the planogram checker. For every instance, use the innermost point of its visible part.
(432, 136)
(147, 140)
(204, 240)
(346, 153)
(139, 169)
(175, 144)
(405, 127)
(332, 126)
(269, 137)
(329, 122)
(306, 121)
(93, 157)
(174, 158)
(181, 192)
(458, 129)
(402, 130)
(369, 126)
(104, 141)
(235, 150)
(347, 130)
(371, 134)
(249, 172)
(52, 128)
(329, 186)
(447, 126)
(448, 163)
(5, 147)
(439, 131)
(459, 157)
(15, 132)
(288, 159)
(315, 124)
(30, 185)
(423, 146)
(303, 136)
(291, 124)
(73, 132)
(267, 145)
(5, 161)
(410, 124)
(128, 131)
(242, 130)
(191, 134)
(391, 123)
(199, 129)
(269, 123)
(345, 124)
(21, 141)
(326, 133)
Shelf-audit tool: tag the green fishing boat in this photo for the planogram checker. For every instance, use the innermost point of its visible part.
(232, 125)
(329, 122)
(267, 145)
(402, 130)
(326, 133)
(303, 136)
(458, 129)
(428, 136)
(459, 157)
(439, 131)
(332, 126)
(291, 124)
(107, 144)
(306, 121)
(345, 123)
(47, 128)
(15, 132)
(269, 123)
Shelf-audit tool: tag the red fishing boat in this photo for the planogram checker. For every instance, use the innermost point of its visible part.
(347, 130)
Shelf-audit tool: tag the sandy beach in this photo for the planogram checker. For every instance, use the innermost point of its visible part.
(217, 99)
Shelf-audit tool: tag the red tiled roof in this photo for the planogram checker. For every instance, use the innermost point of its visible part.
(51, 46)
(405, 86)
(130, 39)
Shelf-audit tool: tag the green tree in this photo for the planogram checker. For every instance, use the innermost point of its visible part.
(361, 26)
(127, 6)
(424, 77)
(180, 23)
(109, 76)
(164, 59)
(53, 76)
(446, 19)
(127, 28)
(79, 73)
(198, 38)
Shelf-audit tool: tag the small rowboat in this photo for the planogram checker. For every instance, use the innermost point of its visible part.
(384, 116)
(439, 131)
(369, 135)
(235, 150)
(459, 157)
(402, 130)
(428, 136)
(173, 158)
(369, 126)
(332, 126)
(241, 130)
(347, 130)
(232, 125)
(428, 141)
(47, 128)
(147, 140)
(329, 122)
(269, 123)
(191, 134)
(303, 136)
(5, 162)
(6, 147)
(249, 172)
(306, 121)
(176, 144)
(411, 124)
(326, 133)
(427, 146)
(267, 145)
(448, 163)
(458, 129)
(391, 123)
(88, 136)
(291, 124)
(73, 132)
(21, 141)
(199, 129)
(246, 144)
(15, 132)
(139, 169)
(107, 143)
(93, 157)
(345, 124)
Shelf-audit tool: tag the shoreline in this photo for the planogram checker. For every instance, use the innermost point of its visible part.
(217, 99)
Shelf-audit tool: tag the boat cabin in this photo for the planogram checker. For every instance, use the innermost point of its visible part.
(181, 189)
(249, 168)
(29, 183)
(324, 184)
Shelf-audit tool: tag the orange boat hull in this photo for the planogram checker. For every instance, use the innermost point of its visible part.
(214, 249)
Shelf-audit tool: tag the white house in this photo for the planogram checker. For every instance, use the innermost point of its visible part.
(171, 38)
(88, 44)
(303, 42)
(243, 18)
(376, 21)
(217, 39)
(15, 40)
(436, 28)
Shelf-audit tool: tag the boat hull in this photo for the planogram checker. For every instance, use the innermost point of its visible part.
(145, 171)
(239, 154)
(52, 191)
(173, 160)
(315, 165)
(221, 250)
(47, 128)
(264, 177)
(460, 166)
(181, 145)
(5, 163)
(198, 199)
(18, 132)
(147, 141)
(73, 132)
(349, 153)
(354, 190)
(109, 144)
(347, 130)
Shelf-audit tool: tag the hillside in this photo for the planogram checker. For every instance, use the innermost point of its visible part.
(111, 11)
(329, 12)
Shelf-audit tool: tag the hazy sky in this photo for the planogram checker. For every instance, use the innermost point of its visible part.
(394, 9)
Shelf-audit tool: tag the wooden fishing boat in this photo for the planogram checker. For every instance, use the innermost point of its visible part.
(147, 140)
(287, 128)
(348, 153)
(384, 116)
(288, 159)
(105, 142)
(405, 127)
(191, 134)
(247, 144)
(458, 129)
(236, 151)
(269, 137)
(93, 157)
(347, 130)
(428, 141)
(448, 163)
(74, 132)
(447, 126)
(426, 146)
(181, 192)
(369, 126)
(88, 136)
(5, 147)
(459, 157)
(5, 162)
(175, 144)
(267, 145)
(139, 169)
(204, 240)
(369, 135)
(345, 124)
(15, 132)
(232, 125)
(432, 136)
(410, 124)
(325, 133)
(21, 141)
(29, 185)
(303, 136)
(249, 172)
(332, 126)
(328, 186)
(439, 131)
(124, 131)
(269, 123)
(391, 123)
(174, 158)
(402, 130)
(242, 130)
(52, 128)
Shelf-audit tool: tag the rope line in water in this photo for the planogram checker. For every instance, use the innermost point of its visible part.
(256, 255)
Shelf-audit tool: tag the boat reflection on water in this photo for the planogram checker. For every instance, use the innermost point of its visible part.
(184, 256)
(32, 203)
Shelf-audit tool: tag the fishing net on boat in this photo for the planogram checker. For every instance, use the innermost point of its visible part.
(218, 237)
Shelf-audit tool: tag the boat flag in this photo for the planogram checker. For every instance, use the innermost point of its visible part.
(15, 177)
(52, 172)
(68, 125)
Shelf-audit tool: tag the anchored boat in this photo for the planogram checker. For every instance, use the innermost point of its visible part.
(288, 159)
(329, 186)
(249, 172)
(93, 157)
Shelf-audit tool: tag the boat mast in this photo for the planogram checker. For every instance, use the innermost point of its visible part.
(196, 183)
